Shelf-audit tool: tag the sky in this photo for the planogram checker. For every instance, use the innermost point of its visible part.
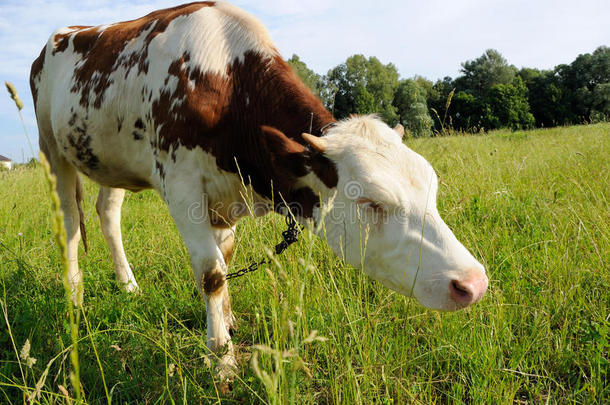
(428, 38)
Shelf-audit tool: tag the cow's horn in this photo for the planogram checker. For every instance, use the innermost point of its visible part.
(316, 142)
(400, 130)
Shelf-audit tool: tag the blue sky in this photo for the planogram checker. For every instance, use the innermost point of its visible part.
(430, 38)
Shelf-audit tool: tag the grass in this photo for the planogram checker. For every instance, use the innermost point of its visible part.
(533, 206)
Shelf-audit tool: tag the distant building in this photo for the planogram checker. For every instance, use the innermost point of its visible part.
(6, 162)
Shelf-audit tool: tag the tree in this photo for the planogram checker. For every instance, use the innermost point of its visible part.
(506, 106)
(411, 107)
(438, 99)
(429, 92)
(490, 95)
(363, 86)
(581, 80)
(465, 111)
(545, 95)
(309, 77)
(479, 75)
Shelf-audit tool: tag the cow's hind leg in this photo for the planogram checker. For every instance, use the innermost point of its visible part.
(225, 239)
(67, 183)
(109, 202)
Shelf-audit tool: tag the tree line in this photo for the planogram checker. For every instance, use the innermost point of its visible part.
(488, 94)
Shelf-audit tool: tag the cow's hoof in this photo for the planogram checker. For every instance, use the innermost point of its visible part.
(226, 370)
(131, 287)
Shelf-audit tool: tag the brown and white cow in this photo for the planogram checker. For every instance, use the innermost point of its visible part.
(194, 101)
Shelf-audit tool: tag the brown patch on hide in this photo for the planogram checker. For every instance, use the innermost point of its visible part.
(213, 281)
(61, 41)
(101, 50)
(36, 69)
(250, 119)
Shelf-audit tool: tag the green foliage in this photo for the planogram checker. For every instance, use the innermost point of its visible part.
(545, 95)
(363, 86)
(309, 77)
(32, 163)
(507, 107)
(437, 101)
(574, 93)
(465, 111)
(586, 82)
(489, 94)
(411, 107)
(481, 74)
(531, 205)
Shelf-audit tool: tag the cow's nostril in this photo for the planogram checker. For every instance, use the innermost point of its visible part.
(468, 291)
(460, 289)
(461, 293)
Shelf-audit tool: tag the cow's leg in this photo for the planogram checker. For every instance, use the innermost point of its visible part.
(67, 183)
(185, 204)
(225, 239)
(109, 202)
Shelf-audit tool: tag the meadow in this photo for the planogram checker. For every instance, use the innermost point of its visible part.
(533, 206)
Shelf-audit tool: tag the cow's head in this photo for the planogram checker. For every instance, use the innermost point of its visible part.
(382, 217)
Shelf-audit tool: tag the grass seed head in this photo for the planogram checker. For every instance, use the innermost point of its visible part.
(13, 92)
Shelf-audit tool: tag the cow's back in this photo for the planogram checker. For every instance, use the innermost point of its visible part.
(96, 88)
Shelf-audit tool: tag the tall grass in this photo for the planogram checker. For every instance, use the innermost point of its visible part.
(532, 206)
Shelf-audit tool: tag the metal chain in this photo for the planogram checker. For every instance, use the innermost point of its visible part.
(289, 236)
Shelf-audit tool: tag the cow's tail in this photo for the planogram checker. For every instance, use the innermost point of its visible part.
(81, 215)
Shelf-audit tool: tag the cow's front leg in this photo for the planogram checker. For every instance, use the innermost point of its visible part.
(218, 337)
(209, 269)
(225, 239)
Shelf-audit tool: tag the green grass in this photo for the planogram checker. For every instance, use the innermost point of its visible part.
(532, 206)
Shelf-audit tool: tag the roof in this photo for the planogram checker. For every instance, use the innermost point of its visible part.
(4, 159)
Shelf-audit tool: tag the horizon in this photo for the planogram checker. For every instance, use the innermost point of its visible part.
(539, 36)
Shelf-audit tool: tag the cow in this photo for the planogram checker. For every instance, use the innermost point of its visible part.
(196, 102)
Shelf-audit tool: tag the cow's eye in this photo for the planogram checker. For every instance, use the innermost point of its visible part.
(370, 205)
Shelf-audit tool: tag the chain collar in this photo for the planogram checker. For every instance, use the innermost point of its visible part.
(289, 236)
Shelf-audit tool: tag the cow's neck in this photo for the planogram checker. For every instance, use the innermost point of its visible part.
(251, 121)
(291, 106)
(278, 99)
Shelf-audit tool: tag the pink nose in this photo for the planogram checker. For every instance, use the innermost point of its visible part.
(469, 291)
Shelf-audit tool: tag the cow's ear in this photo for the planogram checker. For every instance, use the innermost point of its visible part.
(285, 156)
(278, 143)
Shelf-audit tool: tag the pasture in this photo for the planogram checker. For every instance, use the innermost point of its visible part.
(533, 206)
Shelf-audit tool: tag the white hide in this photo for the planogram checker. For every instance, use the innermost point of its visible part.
(395, 233)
